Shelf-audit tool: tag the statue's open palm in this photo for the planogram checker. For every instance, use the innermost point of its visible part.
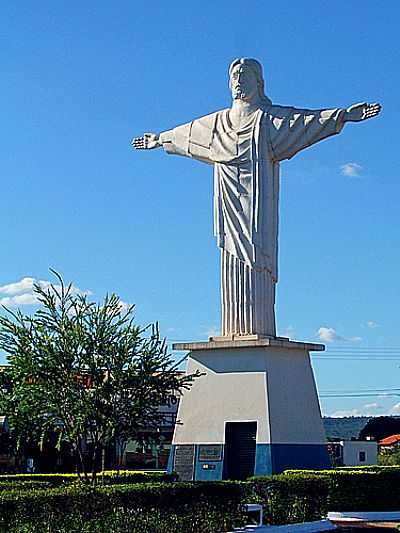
(363, 111)
(148, 141)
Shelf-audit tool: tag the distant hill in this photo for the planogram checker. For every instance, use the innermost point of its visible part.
(345, 428)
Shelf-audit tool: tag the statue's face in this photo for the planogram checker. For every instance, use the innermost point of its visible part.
(243, 83)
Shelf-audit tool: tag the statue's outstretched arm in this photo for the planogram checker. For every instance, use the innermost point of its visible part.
(363, 111)
(192, 139)
(147, 141)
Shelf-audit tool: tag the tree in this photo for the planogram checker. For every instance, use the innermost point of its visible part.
(380, 427)
(389, 457)
(85, 371)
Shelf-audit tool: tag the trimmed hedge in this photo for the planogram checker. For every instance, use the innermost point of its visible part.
(359, 489)
(290, 499)
(361, 468)
(310, 494)
(24, 485)
(109, 477)
(158, 507)
(294, 496)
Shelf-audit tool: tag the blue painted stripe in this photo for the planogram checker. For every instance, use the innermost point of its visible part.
(270, 459)
(306, 456)
(263, 464)
(208, 470)
(171, 460)
(275, 458)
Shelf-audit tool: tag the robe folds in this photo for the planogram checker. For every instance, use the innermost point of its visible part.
(246, 197)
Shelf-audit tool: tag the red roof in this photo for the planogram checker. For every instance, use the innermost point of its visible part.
(387, 441)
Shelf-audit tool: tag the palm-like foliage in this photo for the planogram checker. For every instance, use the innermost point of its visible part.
(84, 370)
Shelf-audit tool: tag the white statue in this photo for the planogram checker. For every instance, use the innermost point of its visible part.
(245, 144)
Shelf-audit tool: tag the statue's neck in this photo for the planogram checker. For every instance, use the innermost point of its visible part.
(242, 109)
(245, 107)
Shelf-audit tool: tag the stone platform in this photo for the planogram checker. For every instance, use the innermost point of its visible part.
(253, 341)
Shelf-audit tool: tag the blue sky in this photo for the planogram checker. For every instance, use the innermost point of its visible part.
(79, 79)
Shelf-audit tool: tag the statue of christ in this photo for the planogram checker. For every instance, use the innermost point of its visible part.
(245, 144)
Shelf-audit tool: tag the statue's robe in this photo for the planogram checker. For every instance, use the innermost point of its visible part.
(246, 194)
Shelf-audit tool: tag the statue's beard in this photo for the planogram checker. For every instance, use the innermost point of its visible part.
(239, 94)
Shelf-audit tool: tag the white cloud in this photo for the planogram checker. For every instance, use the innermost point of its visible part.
(395, 409)
(346, 412)
(288, 332)
(19, 299)
(21, 292)
(368, 409)
(327, 334)
(373, 405)
(372, 324)
(124, 306)
(25, 284)
(351, 169)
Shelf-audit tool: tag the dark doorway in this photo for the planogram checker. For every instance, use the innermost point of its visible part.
(240, 449)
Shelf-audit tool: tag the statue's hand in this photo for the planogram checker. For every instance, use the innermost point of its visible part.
(363, 111)
(147, 142)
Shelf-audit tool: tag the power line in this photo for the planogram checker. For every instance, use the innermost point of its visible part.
(360, 393)
(325, 396)
(364, 395)
(347, 353)
(355, 358)
(391, 389)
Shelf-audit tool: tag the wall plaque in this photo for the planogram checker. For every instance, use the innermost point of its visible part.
(210, 452)
(184, 461)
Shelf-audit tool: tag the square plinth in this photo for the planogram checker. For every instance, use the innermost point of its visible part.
(251, 341)
(257, 392)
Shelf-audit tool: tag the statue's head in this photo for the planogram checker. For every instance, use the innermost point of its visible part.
(246, 80)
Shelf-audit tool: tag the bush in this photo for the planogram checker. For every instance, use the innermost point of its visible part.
(367, 488)
(364, 490)
(289, 499)
(24, 485)
(158, 507)
(110, 477)
(362, 468)
(390, 458)
(295, 496)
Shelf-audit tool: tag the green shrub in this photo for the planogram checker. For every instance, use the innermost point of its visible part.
(112, 477)
(362, 468)
(24, 485)
(304, 495)
(294, 496)
(109, 477)
(202, 507)
(369, 488)
(290, 499)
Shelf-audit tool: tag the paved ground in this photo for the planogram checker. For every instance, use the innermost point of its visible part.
(307, 527)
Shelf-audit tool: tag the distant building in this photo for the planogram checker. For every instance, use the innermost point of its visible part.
(353, 452)
(389, 443)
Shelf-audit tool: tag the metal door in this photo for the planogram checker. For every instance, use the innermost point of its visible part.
(240, 449)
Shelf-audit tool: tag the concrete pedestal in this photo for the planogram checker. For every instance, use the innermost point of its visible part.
(256, 408)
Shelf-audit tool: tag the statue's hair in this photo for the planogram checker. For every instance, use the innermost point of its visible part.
(258, 72)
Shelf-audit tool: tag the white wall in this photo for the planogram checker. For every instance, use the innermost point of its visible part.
(352, 449)
(273, 386)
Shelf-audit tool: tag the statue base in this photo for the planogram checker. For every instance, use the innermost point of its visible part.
(254, 411)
